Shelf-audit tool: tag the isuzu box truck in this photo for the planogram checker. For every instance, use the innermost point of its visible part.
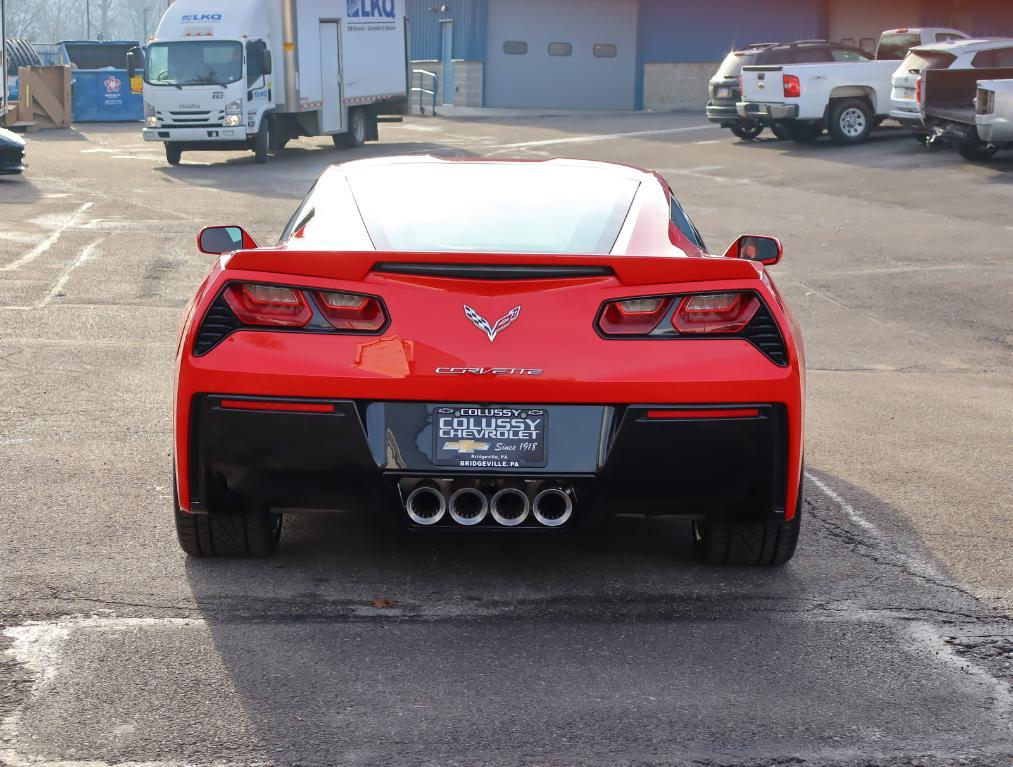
(253, 74)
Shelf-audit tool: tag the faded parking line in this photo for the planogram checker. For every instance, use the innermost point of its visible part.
(47, 243)
(592, 138)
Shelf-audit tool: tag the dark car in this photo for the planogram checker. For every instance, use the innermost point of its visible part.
(724, 86)
(12, 153)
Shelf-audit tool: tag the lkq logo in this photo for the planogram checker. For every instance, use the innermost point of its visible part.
(371, 9)
(190, 18)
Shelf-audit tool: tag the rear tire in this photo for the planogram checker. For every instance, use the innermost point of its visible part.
(249, 535)
(768, 542)
(781, 131)
(357, 130)
(746, 131)
(976, 151)
(804, 133)
(173, 153)
(851, 121)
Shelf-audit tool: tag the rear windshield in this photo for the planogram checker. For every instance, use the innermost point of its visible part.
(489, 209)
(733, 63)
(920, 61)
(895, 47)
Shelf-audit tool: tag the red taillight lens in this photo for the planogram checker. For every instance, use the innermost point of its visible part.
(271, 305)
(633, 316)
(918, 90)
(715, 312)
(351, 311)
(792, 87)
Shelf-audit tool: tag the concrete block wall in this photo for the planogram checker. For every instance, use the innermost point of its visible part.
(468, 83)
(675, 85)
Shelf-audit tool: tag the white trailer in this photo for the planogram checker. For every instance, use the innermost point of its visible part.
(253, 74)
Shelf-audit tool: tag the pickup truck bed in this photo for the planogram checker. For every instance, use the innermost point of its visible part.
(948, 97)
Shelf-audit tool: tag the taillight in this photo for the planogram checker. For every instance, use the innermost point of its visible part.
(715, 312)
(633, 316)
(918, 90)
(351, 311)
(792, 87)
(270, 305)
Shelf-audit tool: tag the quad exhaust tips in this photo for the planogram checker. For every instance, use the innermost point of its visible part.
(506, 501)
(426, 505)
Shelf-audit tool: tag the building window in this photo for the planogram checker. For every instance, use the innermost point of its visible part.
(604, 51)
(560, 49)
(515, 47)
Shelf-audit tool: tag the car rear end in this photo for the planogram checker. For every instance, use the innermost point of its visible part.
(12, 153)
(535, 394)
(769, 94)
(994, 107)
(906, 85)
(723, 89)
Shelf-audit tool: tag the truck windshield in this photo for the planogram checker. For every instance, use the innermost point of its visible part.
(894, 47)
(194, 62)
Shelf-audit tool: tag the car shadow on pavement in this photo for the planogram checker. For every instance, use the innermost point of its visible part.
(351, 646)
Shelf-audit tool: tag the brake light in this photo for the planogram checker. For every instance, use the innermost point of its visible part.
(633, 316)
(918, 90)
(715, 312)
(351, 311)
(269, 305)
(792, 87)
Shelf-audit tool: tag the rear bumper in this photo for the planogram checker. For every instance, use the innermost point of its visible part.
(723, 114)
(619, 459)
(755, 110)
(995, 130)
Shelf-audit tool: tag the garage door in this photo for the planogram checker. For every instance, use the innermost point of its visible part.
(565, 54)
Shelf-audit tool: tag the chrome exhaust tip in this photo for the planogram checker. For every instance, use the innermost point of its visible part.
(510, 506)
(468, 506)
(426, 505)
(552, 507)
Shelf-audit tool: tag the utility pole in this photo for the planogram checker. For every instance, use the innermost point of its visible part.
(87, 19)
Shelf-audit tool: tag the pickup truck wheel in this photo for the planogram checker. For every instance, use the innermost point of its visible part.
(356, 135)
(781, 131)
(851, 121)
(768, 543)
(976, 150)
(804, 133)
(746, 131)
(262, 142)
(173, 153)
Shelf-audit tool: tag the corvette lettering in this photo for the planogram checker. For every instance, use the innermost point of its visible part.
(488, 371)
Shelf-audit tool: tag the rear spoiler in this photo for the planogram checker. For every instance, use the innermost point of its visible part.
(358, 265)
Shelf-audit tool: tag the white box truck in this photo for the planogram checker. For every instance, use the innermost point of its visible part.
(253, 74)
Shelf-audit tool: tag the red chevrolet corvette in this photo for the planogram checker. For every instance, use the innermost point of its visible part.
(489, 345)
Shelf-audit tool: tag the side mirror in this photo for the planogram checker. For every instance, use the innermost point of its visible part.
(265, 61)
(215, 240)
(131, 64)
(756, 247)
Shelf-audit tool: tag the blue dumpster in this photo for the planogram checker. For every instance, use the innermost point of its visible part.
(101, 90)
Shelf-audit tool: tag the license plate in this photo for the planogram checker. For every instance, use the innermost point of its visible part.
(724, 93)
(489, 437)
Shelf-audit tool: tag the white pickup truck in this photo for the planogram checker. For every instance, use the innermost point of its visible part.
(848, 97)
(995, 113)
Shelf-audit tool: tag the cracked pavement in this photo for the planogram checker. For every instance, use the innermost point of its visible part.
(887, 641)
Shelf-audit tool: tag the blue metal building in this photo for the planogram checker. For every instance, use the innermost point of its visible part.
(636, 54)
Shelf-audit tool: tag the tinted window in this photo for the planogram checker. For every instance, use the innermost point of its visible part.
(733, 64)
(487, 208)
(920, 61)
(896, 46)
(684, 225)
(942, 37)
(560, 49)
(604, 51)
(515, 47)
(810, 55)
(254, 51)
(843, 54)
(1001, 57)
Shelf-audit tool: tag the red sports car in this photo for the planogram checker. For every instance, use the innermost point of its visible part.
(471, 344)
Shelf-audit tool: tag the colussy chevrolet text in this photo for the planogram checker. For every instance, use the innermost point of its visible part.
(551, 344)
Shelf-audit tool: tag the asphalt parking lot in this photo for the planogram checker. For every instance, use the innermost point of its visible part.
(886, 641)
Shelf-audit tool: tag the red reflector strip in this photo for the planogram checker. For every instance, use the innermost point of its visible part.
(291, 407)
(669, 415)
